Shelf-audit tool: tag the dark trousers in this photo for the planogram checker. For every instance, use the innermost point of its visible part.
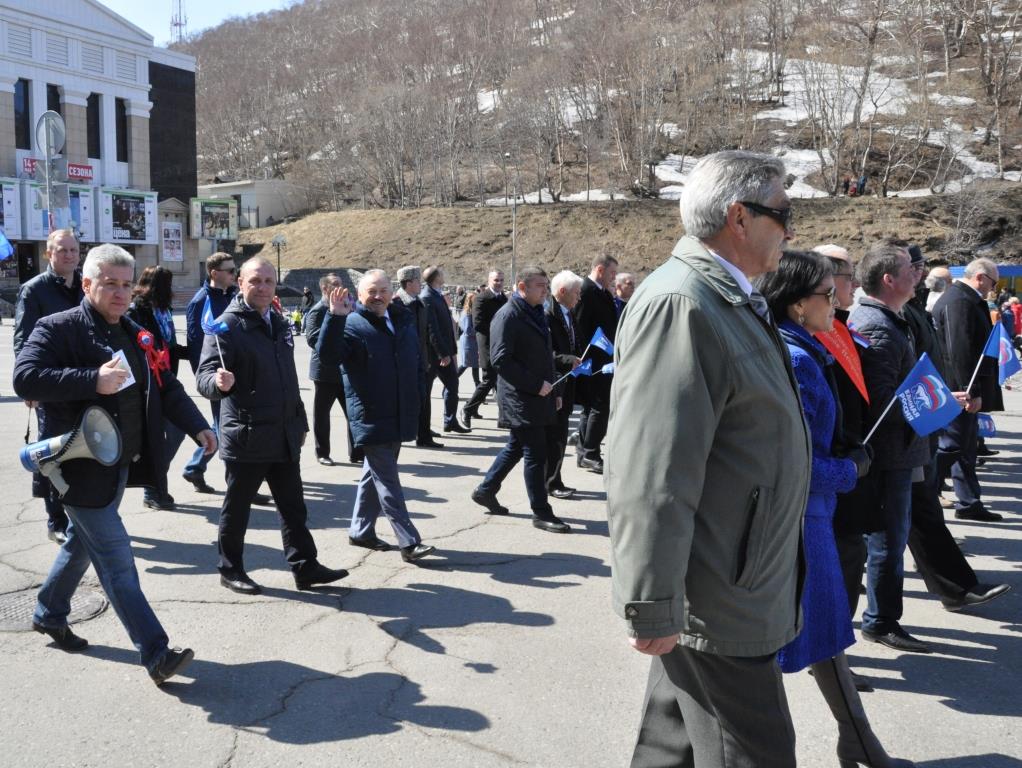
(851, 553)
(486, 385)
(475, 373)
(885, 563)
(962, 436)
(172, 439)
(56, 517)
(528, 443)
(592, 426)
(556, 442)
(938, 557)
(285, 481)
(448, 375)
(708, 711)
(327, 393)
(425, 408)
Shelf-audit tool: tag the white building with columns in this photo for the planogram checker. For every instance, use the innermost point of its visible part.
(109, 82)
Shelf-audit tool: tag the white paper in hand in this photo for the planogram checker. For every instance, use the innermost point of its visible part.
(122, 363)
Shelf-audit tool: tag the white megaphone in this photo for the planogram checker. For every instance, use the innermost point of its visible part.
(96, 437)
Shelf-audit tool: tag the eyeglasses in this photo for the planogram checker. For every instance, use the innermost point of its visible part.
(829, 294)
(232, 270)
(781, 215)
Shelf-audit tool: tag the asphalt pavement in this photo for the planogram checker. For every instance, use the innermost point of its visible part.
(500, 650)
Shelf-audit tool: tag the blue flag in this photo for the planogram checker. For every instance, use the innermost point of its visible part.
(6, 249)
(999, 347)
(585, 369)
(600, 341)
(926, 401)
(986, 425)
(210, 326)
(607, 369)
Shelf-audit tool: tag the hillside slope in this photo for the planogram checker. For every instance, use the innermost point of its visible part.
(468, 241)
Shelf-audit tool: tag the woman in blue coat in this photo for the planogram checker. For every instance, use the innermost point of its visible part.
(468, 349)
(800, 294)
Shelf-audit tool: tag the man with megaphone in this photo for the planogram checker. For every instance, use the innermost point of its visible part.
(75, 362)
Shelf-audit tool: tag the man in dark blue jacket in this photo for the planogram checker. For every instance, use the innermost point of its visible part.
(378, 349)
(443, 351)
(55, 290)
(91, 355)
(262, 428)
(522, 355)
(219, 289)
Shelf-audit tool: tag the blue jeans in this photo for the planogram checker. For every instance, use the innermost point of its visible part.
(98, 536)
(379, 490)
(200, 460)
(885, 562)
(528, 443)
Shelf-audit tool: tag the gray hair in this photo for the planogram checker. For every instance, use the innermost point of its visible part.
(833, 251)
(723, 178)
(565, 279)
(372, 274)
(981, 267)
(936, 283)
(107, 253)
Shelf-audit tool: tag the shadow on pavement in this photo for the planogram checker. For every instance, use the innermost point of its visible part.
(989, 760)
(526, 570)
(295, 704)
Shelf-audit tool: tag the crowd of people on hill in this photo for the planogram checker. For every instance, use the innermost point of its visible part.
(757, 478)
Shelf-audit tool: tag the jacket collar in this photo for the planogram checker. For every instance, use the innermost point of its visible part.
(968, 292)
(869, 301)
(693, 253)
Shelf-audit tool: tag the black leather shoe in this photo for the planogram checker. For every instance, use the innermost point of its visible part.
(488, 500)
(573, 438)
(466, 417)
(416, 552)
(503, 424)
(987, 452)
(434, 433)
(173, 662)
(319, 574)
(551, 524)
(899, 640)
(981, 593)
(63, 637)
(593, 465)
(164, 503)
(428, 444)
(980, 513)
(240, 583)
(456, 427)
(201, 486)
(262, 500)
(562, 493)
(57, 536)
(370, 542)
(326, 461)
(357, 458)
(861, 683)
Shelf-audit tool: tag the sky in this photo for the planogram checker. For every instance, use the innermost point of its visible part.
(154, 15)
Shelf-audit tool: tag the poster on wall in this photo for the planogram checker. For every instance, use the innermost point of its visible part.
(10, 208)
(76, 211)
(214, 219)
(173, 247)
(127, 216)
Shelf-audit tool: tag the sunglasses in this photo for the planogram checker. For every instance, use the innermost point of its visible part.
(781, 215)
(232, 270)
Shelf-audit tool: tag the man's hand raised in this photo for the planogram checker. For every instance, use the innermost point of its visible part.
(338, 301)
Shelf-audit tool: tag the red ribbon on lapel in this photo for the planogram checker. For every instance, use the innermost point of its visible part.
(157, 359)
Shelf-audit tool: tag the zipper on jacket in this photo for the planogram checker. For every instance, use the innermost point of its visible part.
(743, 543)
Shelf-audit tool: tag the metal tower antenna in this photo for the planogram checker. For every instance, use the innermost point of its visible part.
(178, 21)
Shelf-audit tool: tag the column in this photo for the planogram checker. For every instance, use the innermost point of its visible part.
(74, 103)
(138, 143)
(8, 155)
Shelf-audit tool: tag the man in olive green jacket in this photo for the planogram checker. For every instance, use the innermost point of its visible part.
(707, 479)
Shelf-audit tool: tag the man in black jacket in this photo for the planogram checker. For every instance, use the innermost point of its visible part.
(57, 289)
(442, 351)
(262, 428)
(487, 304)
(523, 358)
(410, 280)
(565, 288)
(326, 379)
(92, 356)
(595, 309)
(963, 322)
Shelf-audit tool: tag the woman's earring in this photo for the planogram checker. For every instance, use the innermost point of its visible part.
(801, 319)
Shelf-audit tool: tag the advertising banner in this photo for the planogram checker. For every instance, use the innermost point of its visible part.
(173, 247)
(10, 208)
(76, 210)
(128, 216)
(214, 219)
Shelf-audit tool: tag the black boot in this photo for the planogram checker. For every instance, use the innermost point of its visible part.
(856, 744)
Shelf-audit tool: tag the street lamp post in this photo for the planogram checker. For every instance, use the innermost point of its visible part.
(514, 222)
(278, 242)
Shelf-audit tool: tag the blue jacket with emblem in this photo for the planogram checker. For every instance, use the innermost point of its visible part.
(380, 370)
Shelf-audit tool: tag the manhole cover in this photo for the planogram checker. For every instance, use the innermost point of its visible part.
(16, 608)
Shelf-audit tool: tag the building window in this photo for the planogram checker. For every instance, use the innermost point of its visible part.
(22, 116)
(121, 119)
(92, 126)
(53, 99)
